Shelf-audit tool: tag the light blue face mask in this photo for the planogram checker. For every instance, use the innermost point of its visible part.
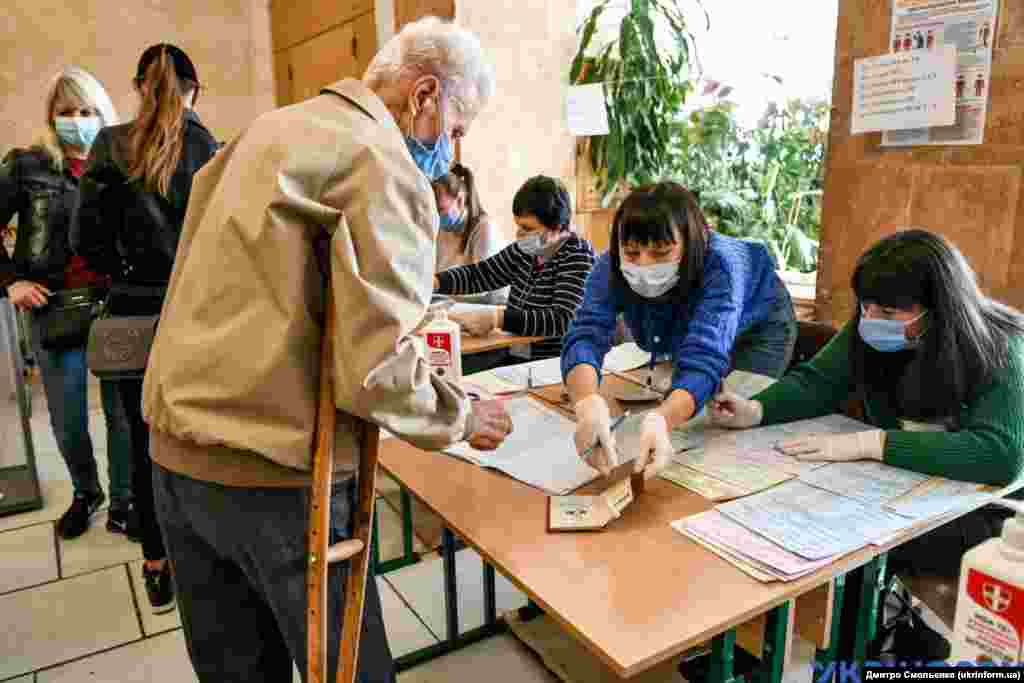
(452, 220)
(434, 159)
(887, 336)
(77, 131)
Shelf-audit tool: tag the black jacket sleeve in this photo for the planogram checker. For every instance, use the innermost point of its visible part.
(93, 234)
(10, 204)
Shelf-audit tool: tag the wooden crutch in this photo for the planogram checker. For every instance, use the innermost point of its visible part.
(355, 549)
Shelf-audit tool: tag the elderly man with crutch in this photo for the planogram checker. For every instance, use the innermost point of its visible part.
(316, 211)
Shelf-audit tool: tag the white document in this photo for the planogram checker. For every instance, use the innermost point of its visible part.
(535, 374)
(904, 90)
(937, 496)
(812, 522)
(490, 383)
(970, 29)
(540, 450)
(585, 110)
(730, 467)
(867, 481)
(625, 357)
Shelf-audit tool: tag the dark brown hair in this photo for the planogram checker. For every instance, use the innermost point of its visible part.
(459, 180)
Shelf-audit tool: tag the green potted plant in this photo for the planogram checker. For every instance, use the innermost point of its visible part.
(649, 70)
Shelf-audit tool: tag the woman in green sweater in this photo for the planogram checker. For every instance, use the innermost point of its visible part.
(939, 369)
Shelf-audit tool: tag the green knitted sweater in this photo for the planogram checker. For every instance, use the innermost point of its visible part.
(988, 448)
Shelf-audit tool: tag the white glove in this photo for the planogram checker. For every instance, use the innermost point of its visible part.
(734, 412)
(478, 323)
(868, 445)
(594, 440)
(655, 445)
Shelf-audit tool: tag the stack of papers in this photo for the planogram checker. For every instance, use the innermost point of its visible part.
(731, 463)
(540, 450)
(753, 554)
(866, 481)
(938, 496)
(547, 372)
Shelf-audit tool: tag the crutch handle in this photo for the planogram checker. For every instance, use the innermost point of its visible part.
(346, 550)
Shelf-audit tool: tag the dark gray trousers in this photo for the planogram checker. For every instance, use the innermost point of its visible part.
(239, 562)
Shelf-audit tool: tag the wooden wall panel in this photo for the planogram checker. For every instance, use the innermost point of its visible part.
(970, 194)
(411, 10)
(295, 21)
(323, 60)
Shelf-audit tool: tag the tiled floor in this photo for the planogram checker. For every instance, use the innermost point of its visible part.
(76, 611)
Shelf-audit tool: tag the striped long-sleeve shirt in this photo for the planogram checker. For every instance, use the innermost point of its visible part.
(543, 297)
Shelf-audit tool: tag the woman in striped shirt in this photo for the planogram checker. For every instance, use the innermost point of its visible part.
(546, 269)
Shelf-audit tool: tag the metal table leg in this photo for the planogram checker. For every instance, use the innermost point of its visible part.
(451, 587)
(722, 652)
(860, 612)
(773, 657)
(490, 596)
(409, 556)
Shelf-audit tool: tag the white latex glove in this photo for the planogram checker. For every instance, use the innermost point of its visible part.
(868, 445)
(734, 412)
(655, 445)
(477, 323)
(594, 441)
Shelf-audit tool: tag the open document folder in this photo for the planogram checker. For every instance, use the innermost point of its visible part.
(541, 451)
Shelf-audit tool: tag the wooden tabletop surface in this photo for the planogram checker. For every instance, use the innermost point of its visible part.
(493, 341)
(635, 594)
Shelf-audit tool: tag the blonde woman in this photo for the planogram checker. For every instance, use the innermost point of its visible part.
(127, 223)
(39, 186)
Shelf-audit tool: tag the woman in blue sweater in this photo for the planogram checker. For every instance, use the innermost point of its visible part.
(709, 302)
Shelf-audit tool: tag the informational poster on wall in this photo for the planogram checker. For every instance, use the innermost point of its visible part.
(908, 90)
(970, 26)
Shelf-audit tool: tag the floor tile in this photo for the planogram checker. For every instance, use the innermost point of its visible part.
(501, 659)
(151, 623)
(406, 633)
(22, 679)
(66, 620)
(96, 548)
(800, 667)
(390, 540)
(163, 659)
(57, 495)
(29, 557)
(421, 586)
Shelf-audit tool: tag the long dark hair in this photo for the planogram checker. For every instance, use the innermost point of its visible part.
(459, 179)
(156, 135)
(663, 212)
(966, 334)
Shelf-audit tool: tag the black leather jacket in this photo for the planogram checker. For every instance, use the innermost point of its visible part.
(124, 230)
(43, 200)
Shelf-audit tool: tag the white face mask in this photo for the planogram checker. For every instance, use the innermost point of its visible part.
(651, 281)
(532, 245)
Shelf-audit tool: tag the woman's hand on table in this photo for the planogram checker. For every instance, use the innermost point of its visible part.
(26, 295)
(655, 445)
(734, 412)
(478, 323)
(866, 445)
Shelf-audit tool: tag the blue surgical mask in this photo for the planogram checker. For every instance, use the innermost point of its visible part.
(452, 219)
(434, 159)
(886, 336)
(77, 131)
(651, 281)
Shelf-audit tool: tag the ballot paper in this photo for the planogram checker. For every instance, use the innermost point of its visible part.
(593, 513)
(540, 450)
(626, 357)
(812, 522)
(535, 374)
(938, 496)
(740, 545)
(700, 483)
(585, 110)
(491, 383)
(866, 481)
(748, 475)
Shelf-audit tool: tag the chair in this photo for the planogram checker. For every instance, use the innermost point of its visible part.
(810, 339)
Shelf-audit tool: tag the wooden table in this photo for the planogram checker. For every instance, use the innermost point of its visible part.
(494, 341)
(638, 593)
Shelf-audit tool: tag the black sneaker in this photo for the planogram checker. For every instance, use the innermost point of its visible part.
(75, 521)
(125, 521)
(159, 588)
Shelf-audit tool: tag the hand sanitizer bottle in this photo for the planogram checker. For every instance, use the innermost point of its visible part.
(444, 347)
(989, 625)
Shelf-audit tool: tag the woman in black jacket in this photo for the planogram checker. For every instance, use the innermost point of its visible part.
(39, 186)
(128, 221)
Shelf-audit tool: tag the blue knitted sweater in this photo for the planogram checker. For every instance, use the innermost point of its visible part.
(738, 290)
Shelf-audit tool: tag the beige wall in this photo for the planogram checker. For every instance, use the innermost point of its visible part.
(522, 132)
(229, 40)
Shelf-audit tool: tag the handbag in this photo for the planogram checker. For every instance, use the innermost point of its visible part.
(65, 321)
(119, 345)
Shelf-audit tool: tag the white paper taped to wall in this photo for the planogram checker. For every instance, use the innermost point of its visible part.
(585, 110)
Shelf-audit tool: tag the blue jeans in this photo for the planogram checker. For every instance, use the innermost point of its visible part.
(239, 558)
(65, 383)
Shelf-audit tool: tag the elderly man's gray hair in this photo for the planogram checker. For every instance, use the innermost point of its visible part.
(431, 46)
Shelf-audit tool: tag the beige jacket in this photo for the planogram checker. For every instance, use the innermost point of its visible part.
(231, 388)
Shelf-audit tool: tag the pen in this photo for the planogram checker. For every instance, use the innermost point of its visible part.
(615, 425)
(529, 377)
